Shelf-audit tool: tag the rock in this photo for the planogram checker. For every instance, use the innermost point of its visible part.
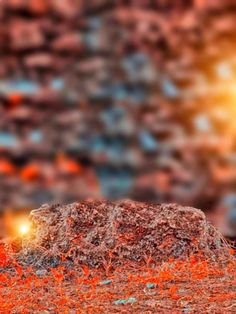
(25, 35)
(38, 7)
(66, 9)
(41, 272)
(68, 42)
(42, 60)
(96, 232)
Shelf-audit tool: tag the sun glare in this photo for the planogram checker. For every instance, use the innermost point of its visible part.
(24, 228)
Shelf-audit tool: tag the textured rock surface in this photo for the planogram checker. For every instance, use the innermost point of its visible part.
(97, 232)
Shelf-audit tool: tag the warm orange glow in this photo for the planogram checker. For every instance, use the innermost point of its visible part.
(15, 224)
(24, 229)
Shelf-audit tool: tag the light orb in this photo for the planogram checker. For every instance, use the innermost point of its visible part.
(24, 228)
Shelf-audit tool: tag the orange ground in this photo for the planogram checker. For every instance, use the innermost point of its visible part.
(191, 286)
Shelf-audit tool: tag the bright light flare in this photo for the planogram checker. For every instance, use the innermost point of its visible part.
(24, 228)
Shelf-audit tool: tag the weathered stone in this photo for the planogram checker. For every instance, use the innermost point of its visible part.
(95, 232)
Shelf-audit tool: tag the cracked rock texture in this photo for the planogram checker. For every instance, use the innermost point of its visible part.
(95, 233)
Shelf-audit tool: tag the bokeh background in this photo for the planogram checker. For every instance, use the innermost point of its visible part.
(119, 99)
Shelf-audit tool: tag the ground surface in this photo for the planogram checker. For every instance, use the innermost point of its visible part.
(174, 287)
(125, 257)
